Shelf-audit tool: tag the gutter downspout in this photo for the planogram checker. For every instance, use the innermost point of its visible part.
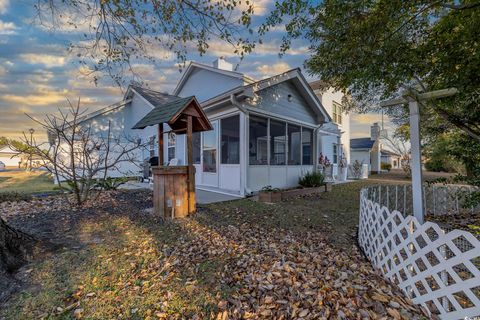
(243, 171)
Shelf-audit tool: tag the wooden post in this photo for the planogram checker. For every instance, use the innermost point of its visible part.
(191, 169)
(416, 165)
(160, 144)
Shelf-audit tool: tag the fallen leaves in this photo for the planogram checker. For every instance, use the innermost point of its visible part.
(195, 268)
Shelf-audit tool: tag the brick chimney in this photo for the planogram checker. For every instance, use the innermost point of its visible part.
(375, 131)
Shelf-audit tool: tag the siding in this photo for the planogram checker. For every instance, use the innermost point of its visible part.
(275, 100)
(205, 84)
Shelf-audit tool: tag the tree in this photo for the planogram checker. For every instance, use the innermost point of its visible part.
(120, 32)
(373, 49)
(77, 155)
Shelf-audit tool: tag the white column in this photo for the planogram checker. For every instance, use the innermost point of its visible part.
(416, 164)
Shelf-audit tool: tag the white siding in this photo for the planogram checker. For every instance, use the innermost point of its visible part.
(327, 98)
(205, 84)
(275, 100)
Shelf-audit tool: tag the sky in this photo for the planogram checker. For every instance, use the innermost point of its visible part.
(38, 74)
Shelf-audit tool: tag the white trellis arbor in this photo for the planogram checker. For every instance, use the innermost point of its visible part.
(414, 98)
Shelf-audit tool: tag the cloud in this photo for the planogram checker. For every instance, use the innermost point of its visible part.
(47, 60)
(366, 118)
(273, 69)
(4, 6)
(7, 28)
(3, 71)
(42, 97)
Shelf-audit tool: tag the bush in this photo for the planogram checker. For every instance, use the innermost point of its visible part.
(311, 180)
(386, 166)
(14, 196)
(111, 183)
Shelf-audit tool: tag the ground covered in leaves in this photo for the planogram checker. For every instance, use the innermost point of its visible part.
(239, 259)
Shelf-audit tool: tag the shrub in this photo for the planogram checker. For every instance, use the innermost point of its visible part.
(357, 167)
(111, 183)
(311, 180)
(14, 196)
(386, 166)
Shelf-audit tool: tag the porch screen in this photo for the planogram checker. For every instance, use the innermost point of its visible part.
(277, 143)
(210, 150)
(230, 144)
(307, 146)
(294, 145)
(258, 141)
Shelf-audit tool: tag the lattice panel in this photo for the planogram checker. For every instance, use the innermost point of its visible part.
(438, 270)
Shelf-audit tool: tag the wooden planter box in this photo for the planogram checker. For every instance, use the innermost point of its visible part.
(272, 197)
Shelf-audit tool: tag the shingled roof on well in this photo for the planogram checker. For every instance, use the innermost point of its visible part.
(163, 113)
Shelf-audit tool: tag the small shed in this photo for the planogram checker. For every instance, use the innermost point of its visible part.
(174, 186)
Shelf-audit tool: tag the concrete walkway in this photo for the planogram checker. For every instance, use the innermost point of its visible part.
(203, 196)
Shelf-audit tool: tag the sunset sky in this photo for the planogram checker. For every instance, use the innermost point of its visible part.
(37, 73)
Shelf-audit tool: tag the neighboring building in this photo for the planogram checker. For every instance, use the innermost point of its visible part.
(338, 135)
(10, 157)
(394, 159)
(266, 132)
(367, 150)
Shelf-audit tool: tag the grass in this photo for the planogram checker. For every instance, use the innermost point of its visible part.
(129, 273)
(26, 182)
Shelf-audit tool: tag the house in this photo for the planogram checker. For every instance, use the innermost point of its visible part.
(368, 150)
(335, 138)
(394, 159)
(10, 157)
(266, 132)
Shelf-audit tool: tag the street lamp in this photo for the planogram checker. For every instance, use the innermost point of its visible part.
(31, 130)
(413, 98)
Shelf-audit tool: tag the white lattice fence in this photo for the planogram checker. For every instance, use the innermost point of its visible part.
(438, 270)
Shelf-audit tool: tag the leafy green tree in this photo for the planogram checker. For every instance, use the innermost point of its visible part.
(373, 49)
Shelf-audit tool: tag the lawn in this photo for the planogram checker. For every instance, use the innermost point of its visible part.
(26, 181)
(238, 259)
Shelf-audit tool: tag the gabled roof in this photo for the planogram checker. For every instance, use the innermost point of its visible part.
(104, 110)
(294, 75)
(163, 113)
(155, 98)
(362, 143)
(175, 113)
(195, 65)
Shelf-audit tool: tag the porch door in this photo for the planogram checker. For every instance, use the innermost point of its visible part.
(210, 156)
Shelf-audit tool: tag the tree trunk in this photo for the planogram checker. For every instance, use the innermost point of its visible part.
(15, 247)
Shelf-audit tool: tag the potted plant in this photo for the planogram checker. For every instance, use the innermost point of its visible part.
(269, 194)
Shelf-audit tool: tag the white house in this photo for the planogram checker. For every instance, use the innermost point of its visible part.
(368, 150)
(266, 132)
(394, 159)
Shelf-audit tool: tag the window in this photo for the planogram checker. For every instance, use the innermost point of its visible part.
(172, 137)
(151, 144)
(210, 150)
(196, 142)
(258, 141)
(277, 143)
(337, 113)
(230, 144)
(307, 146)
(335, 153)
(294, 145)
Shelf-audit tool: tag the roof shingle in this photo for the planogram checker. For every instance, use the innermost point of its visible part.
(361, 143)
